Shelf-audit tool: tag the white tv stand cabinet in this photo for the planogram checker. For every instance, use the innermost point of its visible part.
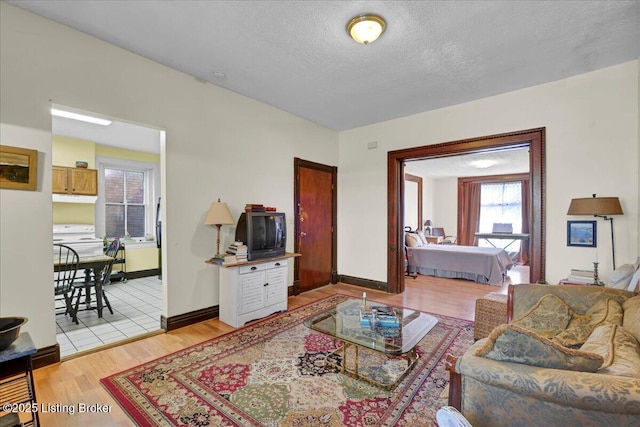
(254, 289)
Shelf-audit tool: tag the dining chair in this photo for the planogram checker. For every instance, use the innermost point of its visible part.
(66, 261)
(95, 287)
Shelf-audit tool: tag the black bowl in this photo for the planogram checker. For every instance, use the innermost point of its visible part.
(10, 329)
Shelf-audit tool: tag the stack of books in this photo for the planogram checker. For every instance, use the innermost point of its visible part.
(254, 207)
(580, 276)
(239, 250)
(224, 259)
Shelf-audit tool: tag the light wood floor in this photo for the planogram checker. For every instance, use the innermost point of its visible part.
(77, 380)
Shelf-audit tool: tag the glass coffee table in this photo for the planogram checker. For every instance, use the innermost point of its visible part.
(391, 333)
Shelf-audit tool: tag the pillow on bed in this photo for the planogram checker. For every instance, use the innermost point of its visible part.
(422, 238)
(412, 240)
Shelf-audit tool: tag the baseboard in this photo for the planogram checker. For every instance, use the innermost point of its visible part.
(142, 273)
(46, 356)
(186, 319)
(365, 283)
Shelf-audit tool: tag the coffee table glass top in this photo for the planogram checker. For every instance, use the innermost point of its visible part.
(394, 331)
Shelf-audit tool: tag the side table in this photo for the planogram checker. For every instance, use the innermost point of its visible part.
(16, 383)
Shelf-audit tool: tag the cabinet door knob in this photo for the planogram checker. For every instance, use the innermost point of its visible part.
(266, 284)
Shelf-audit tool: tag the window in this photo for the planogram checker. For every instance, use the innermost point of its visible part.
(126, 197)
(501, 203)
(124, 202)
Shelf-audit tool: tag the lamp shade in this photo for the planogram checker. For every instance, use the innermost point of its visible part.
(219, 214)
(595, 206)
(427, 223)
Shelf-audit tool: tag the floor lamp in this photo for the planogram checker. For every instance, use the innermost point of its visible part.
(219, 215)
(599, 207)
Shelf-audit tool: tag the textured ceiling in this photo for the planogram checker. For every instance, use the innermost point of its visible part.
(499, 162)
(297, 56)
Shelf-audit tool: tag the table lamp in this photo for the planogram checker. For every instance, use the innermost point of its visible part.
(599, 207)
(219, 215)
(427, 227)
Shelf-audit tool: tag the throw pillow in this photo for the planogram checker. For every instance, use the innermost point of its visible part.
(412, 240)
(511, 343)
(631, 320)
(633, 283)
(620, 350)
(548, 317)
(421, 236)
(621, 276)
(605, 311)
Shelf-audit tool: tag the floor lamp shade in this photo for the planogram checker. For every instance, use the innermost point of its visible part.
(595, 206)
(219, 215)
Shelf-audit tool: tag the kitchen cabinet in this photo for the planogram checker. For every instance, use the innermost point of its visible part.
(76, 181)
(252, 291)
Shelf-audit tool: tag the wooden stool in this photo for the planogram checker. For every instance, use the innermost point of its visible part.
(491, 311)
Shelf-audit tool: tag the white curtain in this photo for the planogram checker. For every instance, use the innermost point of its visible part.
(501, 203)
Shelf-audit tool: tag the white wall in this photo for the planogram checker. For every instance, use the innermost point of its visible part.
(218, 144)
(592, 143)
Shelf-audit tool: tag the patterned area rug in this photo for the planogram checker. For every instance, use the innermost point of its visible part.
(268, 374)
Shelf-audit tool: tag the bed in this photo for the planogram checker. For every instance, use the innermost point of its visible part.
(482, 265)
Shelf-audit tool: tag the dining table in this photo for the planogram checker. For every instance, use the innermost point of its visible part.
(92, 264)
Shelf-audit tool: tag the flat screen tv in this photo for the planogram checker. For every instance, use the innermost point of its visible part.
(264, 233)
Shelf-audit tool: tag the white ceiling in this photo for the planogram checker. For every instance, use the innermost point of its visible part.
(117, 134)
(297, 56)
(504, 161)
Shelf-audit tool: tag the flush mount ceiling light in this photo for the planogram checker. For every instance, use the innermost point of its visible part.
(81, 117)
(366, 28)
(483, 164)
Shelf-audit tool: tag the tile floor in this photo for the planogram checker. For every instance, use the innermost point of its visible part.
(137, 307)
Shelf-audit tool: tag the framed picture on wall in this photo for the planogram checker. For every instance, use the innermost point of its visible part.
(582, 233)
(18, 168)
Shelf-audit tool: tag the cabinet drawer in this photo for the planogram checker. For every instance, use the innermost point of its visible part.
(245, 269)
(275, 264)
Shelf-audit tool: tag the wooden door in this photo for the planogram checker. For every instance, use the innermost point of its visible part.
(315, 231)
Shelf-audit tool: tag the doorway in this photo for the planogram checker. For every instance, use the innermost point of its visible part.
(533, 139)
(116, 152)
(315, 205)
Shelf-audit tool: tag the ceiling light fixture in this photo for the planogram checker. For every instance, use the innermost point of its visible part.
(81, 117)
(365, 29)
(483, 164)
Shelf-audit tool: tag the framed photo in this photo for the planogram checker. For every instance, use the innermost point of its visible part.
(582, 233)
(18, 168)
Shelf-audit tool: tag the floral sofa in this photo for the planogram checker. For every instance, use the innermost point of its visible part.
(570, 356)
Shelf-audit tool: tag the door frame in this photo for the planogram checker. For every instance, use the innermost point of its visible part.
(333, 170)
(532, 138)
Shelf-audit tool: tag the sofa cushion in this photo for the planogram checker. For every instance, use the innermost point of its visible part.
(512, 343)
(618, 347)
(631, 320)
(605, 311)
(548, 317)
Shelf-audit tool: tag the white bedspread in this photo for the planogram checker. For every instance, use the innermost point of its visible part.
(483, 265)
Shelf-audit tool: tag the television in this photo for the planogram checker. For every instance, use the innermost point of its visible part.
(264, 233)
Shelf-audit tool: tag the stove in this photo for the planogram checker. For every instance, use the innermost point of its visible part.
(81, 237)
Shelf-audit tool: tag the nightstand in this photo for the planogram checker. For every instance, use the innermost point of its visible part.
(435, 239)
